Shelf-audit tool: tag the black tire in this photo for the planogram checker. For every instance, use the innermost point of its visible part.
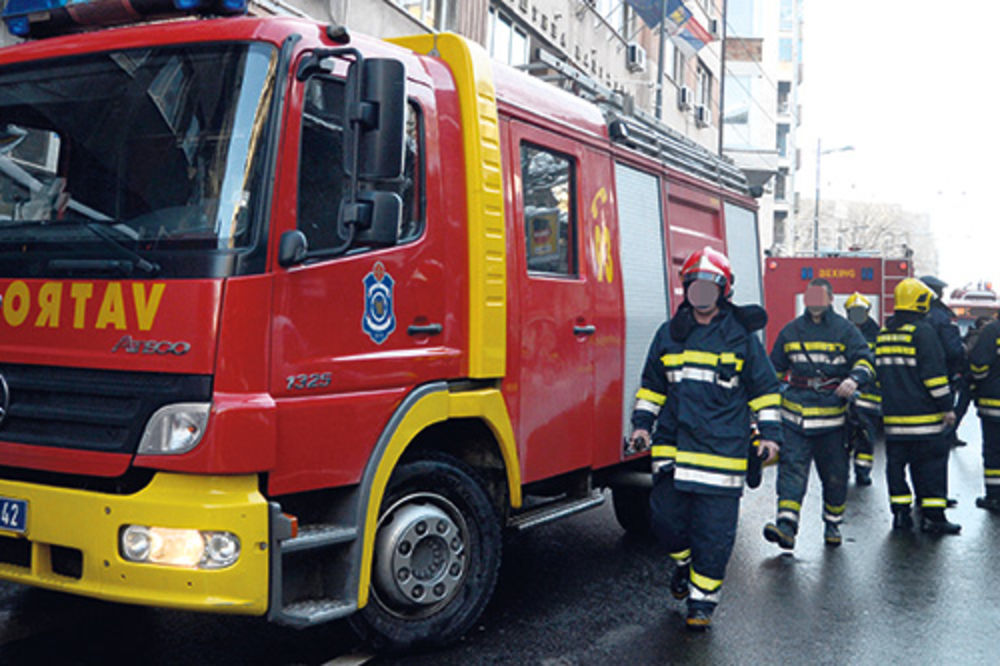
(632, 509)
(438, 484)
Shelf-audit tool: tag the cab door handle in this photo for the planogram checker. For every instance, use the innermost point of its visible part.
(424, 329)
(584, 330)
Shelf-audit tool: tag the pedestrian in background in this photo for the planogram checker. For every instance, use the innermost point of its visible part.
(704, 374)
(865, 411)
(916, 409)
(942, 320)
(984, 365)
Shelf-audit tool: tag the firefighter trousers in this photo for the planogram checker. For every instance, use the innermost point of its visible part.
(862, 433)
(928, 463)
(695, 528)
(991, 457)
(832, 463)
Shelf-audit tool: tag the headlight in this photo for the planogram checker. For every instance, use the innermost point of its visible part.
(202, 549)
(175, 428)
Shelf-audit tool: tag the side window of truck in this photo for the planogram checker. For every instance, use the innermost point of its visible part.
(322, 180)
(549, 180)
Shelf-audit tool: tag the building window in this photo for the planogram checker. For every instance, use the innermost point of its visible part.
(736, 119)
(507, 41)
(780, 182)
(439, 14)
(680, 62)
(781, 142)
(549, 214)
(740, 17)
(786, 20)
(785, 49)
(784, 93)
(780, 227)
(704, 85)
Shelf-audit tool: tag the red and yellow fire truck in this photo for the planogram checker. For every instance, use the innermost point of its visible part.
(972, 302)
(297, 324)
(872, 275)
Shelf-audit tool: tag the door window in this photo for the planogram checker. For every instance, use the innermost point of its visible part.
(550, 225)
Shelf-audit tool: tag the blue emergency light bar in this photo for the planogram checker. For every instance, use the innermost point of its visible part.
(45, 18)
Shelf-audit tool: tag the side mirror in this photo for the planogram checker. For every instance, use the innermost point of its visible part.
(292, 248)
(376, 117)
(375, 217)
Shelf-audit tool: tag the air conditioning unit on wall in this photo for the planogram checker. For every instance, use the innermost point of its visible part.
(702, 115)
(635, 57)
(685, 98)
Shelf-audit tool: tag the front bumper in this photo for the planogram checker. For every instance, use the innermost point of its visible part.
(82, 528)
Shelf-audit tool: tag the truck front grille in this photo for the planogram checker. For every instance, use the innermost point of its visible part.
(93, 410)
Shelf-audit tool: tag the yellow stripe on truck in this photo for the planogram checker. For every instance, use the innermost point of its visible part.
(473, 72)
(91, 522)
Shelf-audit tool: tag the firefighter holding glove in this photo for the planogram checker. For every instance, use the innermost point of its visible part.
(704, 374)
(865, 411)
(916, 409)
(824, 359)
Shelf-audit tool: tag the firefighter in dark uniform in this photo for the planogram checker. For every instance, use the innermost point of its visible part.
(916, 410)
(942, 320)
(866, 409)
(984, 366)
(824, 359)
(705, 373)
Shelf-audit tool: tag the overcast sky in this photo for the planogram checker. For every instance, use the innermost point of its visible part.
(912, 85)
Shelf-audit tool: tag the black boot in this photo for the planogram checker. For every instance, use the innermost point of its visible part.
(699, 615)
(831, 535)
(680, 582)
(781, 533)
(863, 476)
(901, 519)
(934, 522)
(989, 503)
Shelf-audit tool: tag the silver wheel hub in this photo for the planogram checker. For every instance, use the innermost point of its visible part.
(420, 552)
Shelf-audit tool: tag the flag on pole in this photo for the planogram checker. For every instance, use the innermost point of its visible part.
(691, 37)
(651, 13)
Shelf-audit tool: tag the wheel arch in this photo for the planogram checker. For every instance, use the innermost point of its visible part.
(430, 418)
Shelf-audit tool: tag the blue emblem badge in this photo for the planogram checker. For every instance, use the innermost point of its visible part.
(379, 320)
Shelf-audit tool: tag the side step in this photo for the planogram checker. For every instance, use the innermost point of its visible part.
(319, 536)
(315, 611)
(556, 510)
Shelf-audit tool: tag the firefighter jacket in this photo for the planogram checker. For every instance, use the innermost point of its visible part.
(984, 366)
(941, 319)
(699, 385)
(813, 358)
(911, 370)
(869, 398)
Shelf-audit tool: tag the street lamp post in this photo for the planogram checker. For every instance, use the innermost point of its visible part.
(819, 154)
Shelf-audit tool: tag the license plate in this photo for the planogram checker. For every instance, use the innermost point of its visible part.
(13, 514)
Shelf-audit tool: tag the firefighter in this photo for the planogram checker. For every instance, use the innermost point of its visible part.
(704, 374)
(942, 320)
(984, 366)
(824, 359)
(916, 410)
(866, 408)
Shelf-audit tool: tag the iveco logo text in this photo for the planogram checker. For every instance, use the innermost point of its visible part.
(129, 344)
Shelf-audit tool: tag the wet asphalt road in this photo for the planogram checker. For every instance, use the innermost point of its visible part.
(579, 592)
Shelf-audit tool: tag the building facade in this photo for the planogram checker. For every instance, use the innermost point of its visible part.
(764, 69)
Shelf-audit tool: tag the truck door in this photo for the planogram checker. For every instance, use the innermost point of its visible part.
(351, 333)
(555, 327)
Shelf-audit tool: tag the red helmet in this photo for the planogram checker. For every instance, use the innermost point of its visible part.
(708, 264)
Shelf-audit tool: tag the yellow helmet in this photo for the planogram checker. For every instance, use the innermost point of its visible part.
(857, 300)
(913, 295)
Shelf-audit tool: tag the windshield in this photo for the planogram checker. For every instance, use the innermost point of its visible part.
(144, 161)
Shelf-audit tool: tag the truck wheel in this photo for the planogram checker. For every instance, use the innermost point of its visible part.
(632, 509)
(436, 559)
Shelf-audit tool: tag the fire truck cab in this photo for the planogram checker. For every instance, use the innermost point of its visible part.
(297, 323)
